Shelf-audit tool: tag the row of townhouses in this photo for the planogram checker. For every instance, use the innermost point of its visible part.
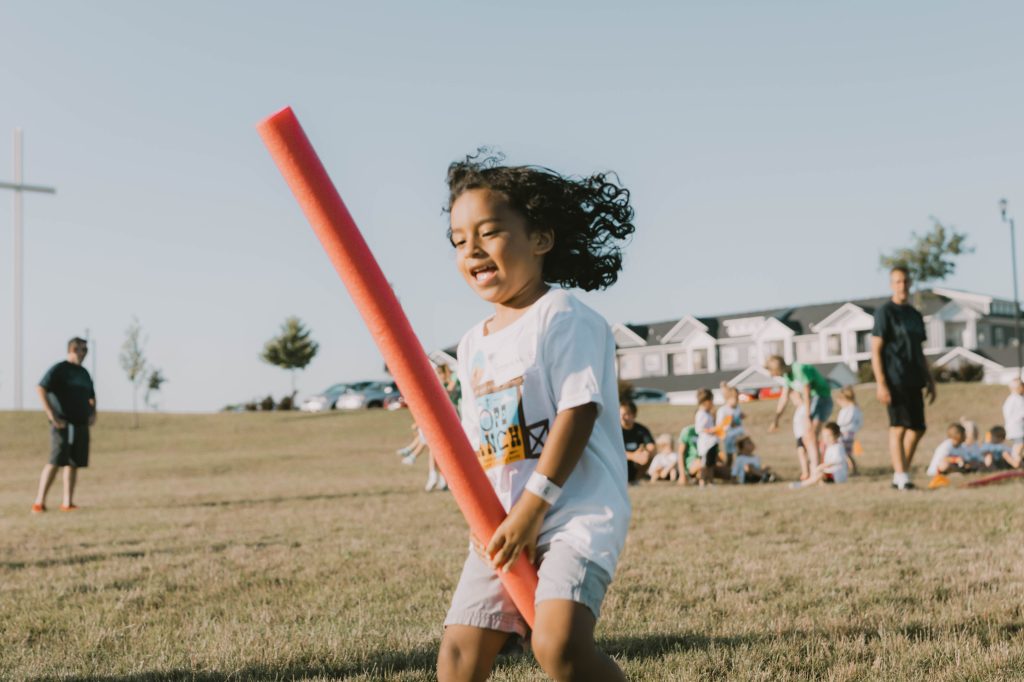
(679, 356)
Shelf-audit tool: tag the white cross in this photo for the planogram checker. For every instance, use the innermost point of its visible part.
(19, 253)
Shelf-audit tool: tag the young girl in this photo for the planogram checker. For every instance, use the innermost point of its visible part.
(663, 466)
(540, 404)
(729, 419)
(850, 420)
(707, 435)
(833, 466)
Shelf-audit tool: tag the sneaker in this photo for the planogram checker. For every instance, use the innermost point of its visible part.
(68, 508)
(409, 459)
(903, 486)
(402, 452)
(795, 485)
(431, 482)
(38, 508)
(441, 483)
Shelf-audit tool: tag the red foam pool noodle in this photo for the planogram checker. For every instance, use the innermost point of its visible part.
(402, 351)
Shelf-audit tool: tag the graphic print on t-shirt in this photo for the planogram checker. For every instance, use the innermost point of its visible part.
(504, 435)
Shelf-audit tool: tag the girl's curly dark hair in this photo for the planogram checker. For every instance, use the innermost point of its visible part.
(587, 216)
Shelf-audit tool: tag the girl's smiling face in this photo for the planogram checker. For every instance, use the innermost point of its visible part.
(495, 250)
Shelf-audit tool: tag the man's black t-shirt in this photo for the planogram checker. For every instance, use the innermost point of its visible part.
(69, 389)
(636, 437)
(901, 329)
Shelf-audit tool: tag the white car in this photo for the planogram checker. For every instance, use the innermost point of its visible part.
(326, 400)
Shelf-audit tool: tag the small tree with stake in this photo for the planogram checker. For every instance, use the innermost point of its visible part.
(929, 258)
(292, 349)
(133, 362)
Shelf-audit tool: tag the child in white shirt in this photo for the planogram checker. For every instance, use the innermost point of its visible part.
(851, 421)
(663, 465)
(799, 429)
(539, 404)
(949, 456)
(1013, 420)
(833, 467)
(707, 435)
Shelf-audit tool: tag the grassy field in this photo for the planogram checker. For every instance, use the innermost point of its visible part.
(287, 546)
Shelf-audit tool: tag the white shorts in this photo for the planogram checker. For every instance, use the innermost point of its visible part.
(480, 600)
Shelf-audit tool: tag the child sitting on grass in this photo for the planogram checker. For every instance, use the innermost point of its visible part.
(833, 468)
(746, 468)
(851, 421)
(663, 466)
(949, 455)
(997, 453)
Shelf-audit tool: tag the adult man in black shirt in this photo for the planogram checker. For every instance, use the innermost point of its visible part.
(638, 440)
(70, 404)
(901, 372)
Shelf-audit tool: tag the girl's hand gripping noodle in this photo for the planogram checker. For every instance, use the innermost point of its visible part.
(405, 358)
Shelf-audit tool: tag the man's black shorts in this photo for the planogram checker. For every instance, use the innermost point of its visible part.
(907, 408)
(70, 446)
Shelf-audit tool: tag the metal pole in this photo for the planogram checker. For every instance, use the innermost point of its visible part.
(18, 272)
(1016, 303)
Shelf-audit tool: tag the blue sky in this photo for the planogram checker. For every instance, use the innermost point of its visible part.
(773, 150)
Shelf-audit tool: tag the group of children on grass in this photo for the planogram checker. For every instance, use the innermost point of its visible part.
(964, 451)
(716, 445)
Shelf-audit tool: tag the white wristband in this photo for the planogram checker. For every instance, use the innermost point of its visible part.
(541, 486)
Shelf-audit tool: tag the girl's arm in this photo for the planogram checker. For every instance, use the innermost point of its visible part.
(564, 447)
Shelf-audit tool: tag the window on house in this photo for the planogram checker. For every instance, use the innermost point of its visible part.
(680, 364)
(630, 366)
(955, 334)
(700, 360)
(998, 336)
(654, 364)
(807, 350)
(834, 344)
(864, 341)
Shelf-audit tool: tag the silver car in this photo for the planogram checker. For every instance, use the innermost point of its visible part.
(368, 394)
(327, 400)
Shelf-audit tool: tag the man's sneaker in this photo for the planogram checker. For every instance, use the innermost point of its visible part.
(38, 508)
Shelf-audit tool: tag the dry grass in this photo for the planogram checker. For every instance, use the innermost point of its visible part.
(296, 547)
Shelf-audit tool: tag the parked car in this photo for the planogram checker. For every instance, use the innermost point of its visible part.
(365, 394)
(649, 395)
(395, 401)
(326, 400)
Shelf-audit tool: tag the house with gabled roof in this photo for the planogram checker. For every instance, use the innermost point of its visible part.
(679, 356)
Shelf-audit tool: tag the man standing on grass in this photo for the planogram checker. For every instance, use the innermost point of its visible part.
(70, 404)
(902, 374)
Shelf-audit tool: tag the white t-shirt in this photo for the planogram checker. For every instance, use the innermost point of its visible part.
(560, 354)
(703, 421)
(835, 462)
(850, 420)
(1013, 416)
(945, 449)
